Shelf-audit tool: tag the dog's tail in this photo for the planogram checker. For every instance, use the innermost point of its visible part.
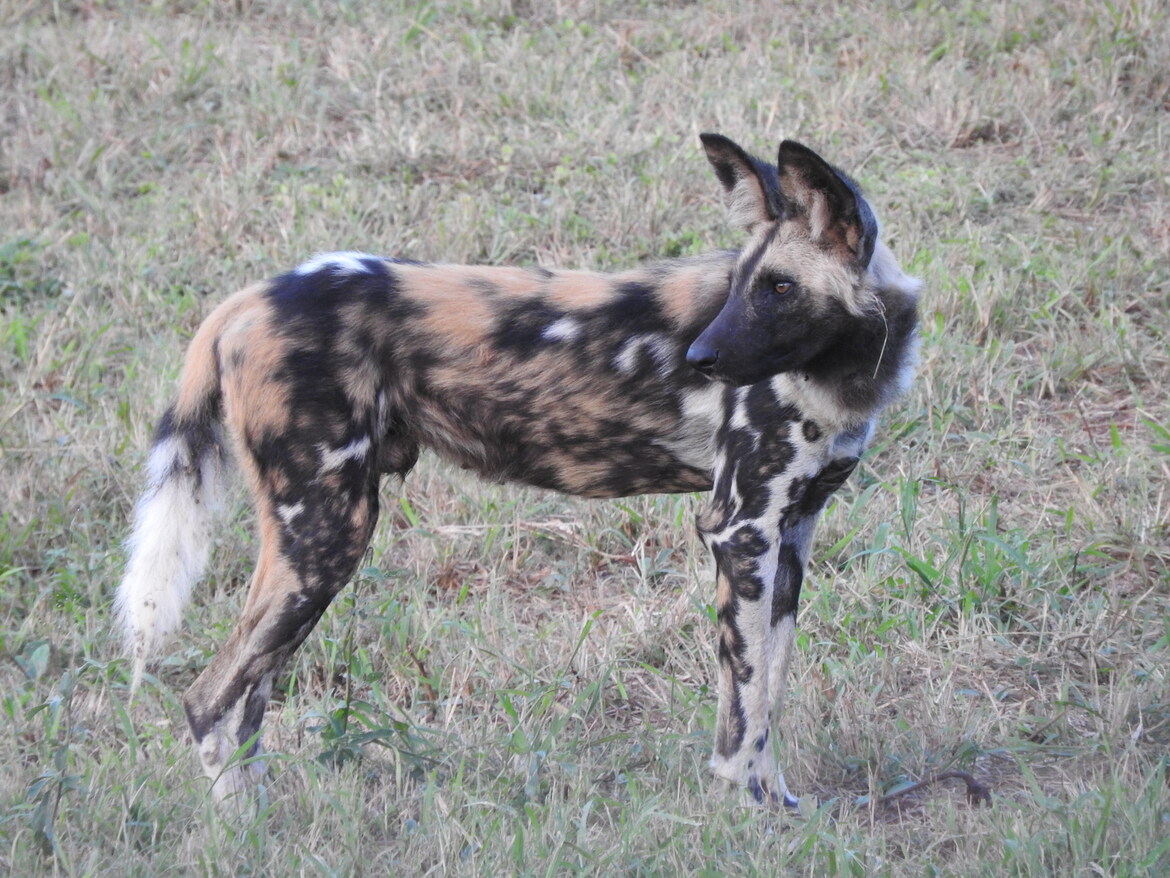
(187, 471)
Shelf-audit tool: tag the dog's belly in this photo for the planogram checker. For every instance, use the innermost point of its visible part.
(599, 466)
(587, 435)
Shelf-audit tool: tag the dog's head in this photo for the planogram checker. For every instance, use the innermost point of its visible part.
(800, 285)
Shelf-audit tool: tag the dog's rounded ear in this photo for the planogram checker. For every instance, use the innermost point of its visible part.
(744, 179)
(828, 200)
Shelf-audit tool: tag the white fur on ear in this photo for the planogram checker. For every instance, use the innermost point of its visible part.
(747, 205)
(743, 206)
(818, 214)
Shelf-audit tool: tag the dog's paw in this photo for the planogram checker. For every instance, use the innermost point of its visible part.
(239, 782)
(771, 795)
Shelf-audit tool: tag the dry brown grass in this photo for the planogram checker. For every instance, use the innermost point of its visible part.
(519, 682)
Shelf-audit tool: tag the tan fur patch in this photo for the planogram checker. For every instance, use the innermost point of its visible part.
(793, 252)
(723, 593)
(457, 313)
(581, 290)
(274, 577)
(201, 371)
(362, 378)
(686, 295)
(256, 401)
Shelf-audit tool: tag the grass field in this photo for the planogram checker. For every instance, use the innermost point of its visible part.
(521, 683)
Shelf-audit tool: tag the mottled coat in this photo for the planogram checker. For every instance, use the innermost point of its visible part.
(756, 373)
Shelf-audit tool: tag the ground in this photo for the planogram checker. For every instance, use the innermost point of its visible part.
(522, 683)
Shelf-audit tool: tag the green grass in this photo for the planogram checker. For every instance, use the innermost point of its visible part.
(520, 682)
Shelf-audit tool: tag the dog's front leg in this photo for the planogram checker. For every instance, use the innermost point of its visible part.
(792, 549)
(757, 625)
(761, 547)
(761, 568)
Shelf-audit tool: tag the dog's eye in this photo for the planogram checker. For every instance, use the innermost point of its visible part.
(783, 287)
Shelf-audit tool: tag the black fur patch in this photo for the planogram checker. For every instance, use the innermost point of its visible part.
(738, 557)
(789, 579)
(633, 310)
(520, 325)
(201, 435)
(732, 727)
(807, 496)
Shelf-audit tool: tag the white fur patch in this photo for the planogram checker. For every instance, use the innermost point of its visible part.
(164, 457)
(813, 400)
(335, 458)
(626, 360)
(780, 651)
(168, 546)
(909, 367)
(220, 745)
(746, 205)
(886, 273)
(739, 414)
(288, 512)
(565, 329)
(702, 412)
(655, 344)
(767, 563)
(702, 408)
(342, 262)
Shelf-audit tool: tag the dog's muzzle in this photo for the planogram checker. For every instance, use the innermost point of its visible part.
(703, 357)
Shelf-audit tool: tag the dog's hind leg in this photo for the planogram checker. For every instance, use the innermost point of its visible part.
(316, 520)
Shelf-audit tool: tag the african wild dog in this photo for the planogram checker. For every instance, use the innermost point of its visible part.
(757, 373)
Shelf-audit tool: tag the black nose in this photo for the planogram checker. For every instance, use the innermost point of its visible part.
(702, 357)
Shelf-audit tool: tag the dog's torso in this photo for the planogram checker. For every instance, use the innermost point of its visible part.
(572, 381)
